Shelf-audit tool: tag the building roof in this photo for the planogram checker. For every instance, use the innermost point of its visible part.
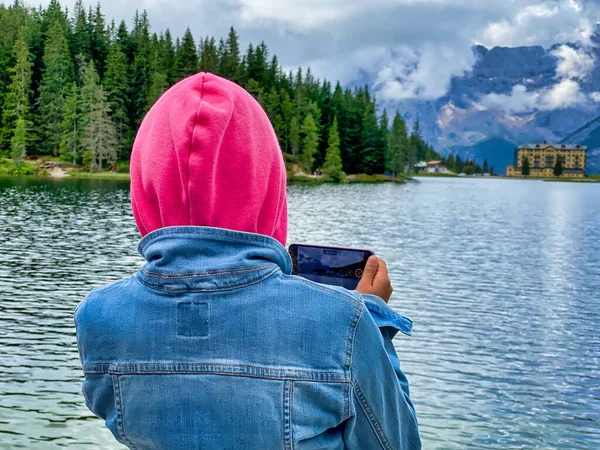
(556, 146)
(433, 163)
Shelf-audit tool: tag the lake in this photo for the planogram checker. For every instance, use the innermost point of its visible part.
(501, 279)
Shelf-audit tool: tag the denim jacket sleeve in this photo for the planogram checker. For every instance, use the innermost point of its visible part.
(383, 414)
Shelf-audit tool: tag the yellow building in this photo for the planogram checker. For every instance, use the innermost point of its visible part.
(542, 159)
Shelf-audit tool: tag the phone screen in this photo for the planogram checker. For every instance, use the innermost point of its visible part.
(329, 265)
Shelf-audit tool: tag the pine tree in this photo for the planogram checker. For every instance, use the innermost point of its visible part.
(54, 15)
(139, 71)
(125, 41)
(116, 86)
(19, 141)
(558, 167)
(99, 41)
(17, 103)
(419, 143)
(333, 159)
(411, 157)
(485, 166)
(459, 164)
(99, 135)
(157, 88)
(72, 129)
(397, 147)
(209, 59)
(272, 103)
(80, 37)
(287, 113)
(274, 72)
(99, 139)
(169, 58)
(384, 126)
(372, 153)
(258, 69)
(89, 90)
(58, 75)
(310, 142)
(354, 104)
(187, 57)
(230, 60)
(525, 168)
(451, 163)
(294, 140)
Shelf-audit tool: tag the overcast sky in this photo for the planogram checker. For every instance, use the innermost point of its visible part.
(423, 42)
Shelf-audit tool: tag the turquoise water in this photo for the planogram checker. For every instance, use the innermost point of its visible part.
(501, 278)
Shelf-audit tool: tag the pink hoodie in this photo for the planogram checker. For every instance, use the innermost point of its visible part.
(207, 155)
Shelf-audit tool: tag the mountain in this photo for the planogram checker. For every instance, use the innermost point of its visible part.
(589, 135)
(513, 96)
(499, 153)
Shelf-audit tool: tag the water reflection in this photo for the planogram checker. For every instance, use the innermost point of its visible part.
(500, 278)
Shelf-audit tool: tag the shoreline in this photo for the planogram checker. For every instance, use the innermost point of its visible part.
(55, 169)
(75, 175)
(588, 179)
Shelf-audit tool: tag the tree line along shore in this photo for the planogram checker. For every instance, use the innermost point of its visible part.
(76, 87)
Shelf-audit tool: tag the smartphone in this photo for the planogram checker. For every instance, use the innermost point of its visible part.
(339, 266)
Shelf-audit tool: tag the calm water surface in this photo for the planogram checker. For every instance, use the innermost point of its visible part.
(500, 277)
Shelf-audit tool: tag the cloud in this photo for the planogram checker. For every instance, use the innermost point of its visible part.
(411, 48)
(573, 63)
(424, 73)
(539, 23)
(308, 15)
(567, 93)
(519, 101)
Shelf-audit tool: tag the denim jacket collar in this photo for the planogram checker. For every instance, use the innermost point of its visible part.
(205, 258)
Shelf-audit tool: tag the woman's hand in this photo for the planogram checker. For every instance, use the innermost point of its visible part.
(375, 279)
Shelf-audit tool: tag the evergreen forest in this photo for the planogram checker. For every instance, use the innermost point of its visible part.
(75, 87)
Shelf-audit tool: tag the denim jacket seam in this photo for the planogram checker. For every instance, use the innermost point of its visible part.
(291, 414)
(288, 389)
(373, 421)
(230, 287)
(348, 403)
(206, 274)
(218, 369)
(358, 314)
(116, 382)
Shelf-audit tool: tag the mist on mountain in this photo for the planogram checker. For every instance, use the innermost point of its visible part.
(513, 96)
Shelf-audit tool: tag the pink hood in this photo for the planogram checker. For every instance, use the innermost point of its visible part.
(206, 154)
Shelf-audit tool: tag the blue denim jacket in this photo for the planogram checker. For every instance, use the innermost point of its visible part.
(214, 345)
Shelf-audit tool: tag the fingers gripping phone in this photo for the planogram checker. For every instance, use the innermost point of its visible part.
(340, 266)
